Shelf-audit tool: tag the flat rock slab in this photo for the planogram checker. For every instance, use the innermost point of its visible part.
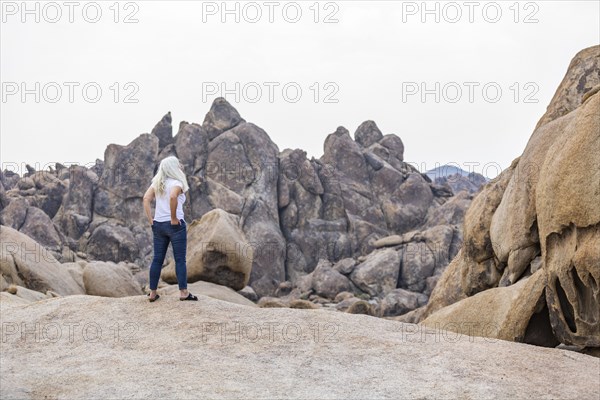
(94, 347)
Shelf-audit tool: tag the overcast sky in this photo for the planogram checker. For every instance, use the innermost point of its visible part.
(360, 60)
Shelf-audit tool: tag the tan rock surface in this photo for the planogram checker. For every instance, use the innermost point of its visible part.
(109, 279)
(513, 230)
(503, 313)
(26, 263)
(172, 349)
(479, 271)
(569, 225)
(542, 212)
(211, 290)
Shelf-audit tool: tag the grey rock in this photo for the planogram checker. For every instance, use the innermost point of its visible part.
(378, 274)
(111, 242)
(328, 282)
(164, 131)
(400, 301)
(367, 133)
(221, 117)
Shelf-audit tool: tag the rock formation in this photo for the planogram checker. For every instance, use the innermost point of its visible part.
(359, 220)
(289, 213)
(537, 225)
(217, 252)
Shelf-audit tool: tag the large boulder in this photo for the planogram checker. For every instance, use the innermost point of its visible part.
(221, 117)
(14, 213)
(127, 173)
(109, 280)
(517, 313)
(378, 274)
(327, 282)
(418, 264)
(46, 193)
(243, 169)
(26, 263)
(38, 226)
(217, 251)
(482, 270)
(191, 146)
(539, 217)
(569, 226)
(111, 242)
(75, 213)
(400, 301)
(164, 131)
(448, 289)
(367, 133)
(514, 225)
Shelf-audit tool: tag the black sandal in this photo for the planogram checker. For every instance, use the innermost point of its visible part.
(189, 297)
(152, 300)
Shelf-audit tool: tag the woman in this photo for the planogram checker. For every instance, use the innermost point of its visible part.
(168, 188)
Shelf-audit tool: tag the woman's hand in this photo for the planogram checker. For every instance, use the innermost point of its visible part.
(174, 221)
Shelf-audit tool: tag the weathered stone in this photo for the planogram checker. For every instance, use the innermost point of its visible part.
(111, 242)
(221, 117)
(164, 131)
(569, 226)
(75, 213)
(327, 282)
(367, 133)
(217, 252)
(109, 280)
(26, 263)
(345, 266)
(582, 76)
(400, 301)
(378, 274)
(517, 313)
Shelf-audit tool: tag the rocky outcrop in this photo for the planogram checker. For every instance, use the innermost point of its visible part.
(221, 117)
(112, 242)
(582, 76)
(327, 282)
(292, 211)
(569, 227)
(517, 313)
(26, 263)
(76, 212)
(538, 221)
(109, 280)
(124, 345)
(217, 251)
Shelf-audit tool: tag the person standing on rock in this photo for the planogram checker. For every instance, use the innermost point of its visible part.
(168, 187)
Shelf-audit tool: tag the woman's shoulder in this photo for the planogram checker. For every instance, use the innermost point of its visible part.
(172, 181)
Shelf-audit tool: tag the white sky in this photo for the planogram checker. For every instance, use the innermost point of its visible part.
(376, 49)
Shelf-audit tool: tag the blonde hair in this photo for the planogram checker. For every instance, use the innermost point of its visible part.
(168, 168)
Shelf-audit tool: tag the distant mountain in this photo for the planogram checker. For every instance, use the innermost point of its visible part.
(458, 179)
(445, 171)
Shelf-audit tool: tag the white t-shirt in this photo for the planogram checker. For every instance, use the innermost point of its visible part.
(162, 212)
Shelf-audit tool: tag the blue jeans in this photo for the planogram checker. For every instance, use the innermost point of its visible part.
(163, 233)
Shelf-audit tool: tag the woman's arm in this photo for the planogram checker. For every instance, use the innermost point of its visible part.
(148, 197)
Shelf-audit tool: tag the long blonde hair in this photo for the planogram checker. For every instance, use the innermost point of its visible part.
(168, 168)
